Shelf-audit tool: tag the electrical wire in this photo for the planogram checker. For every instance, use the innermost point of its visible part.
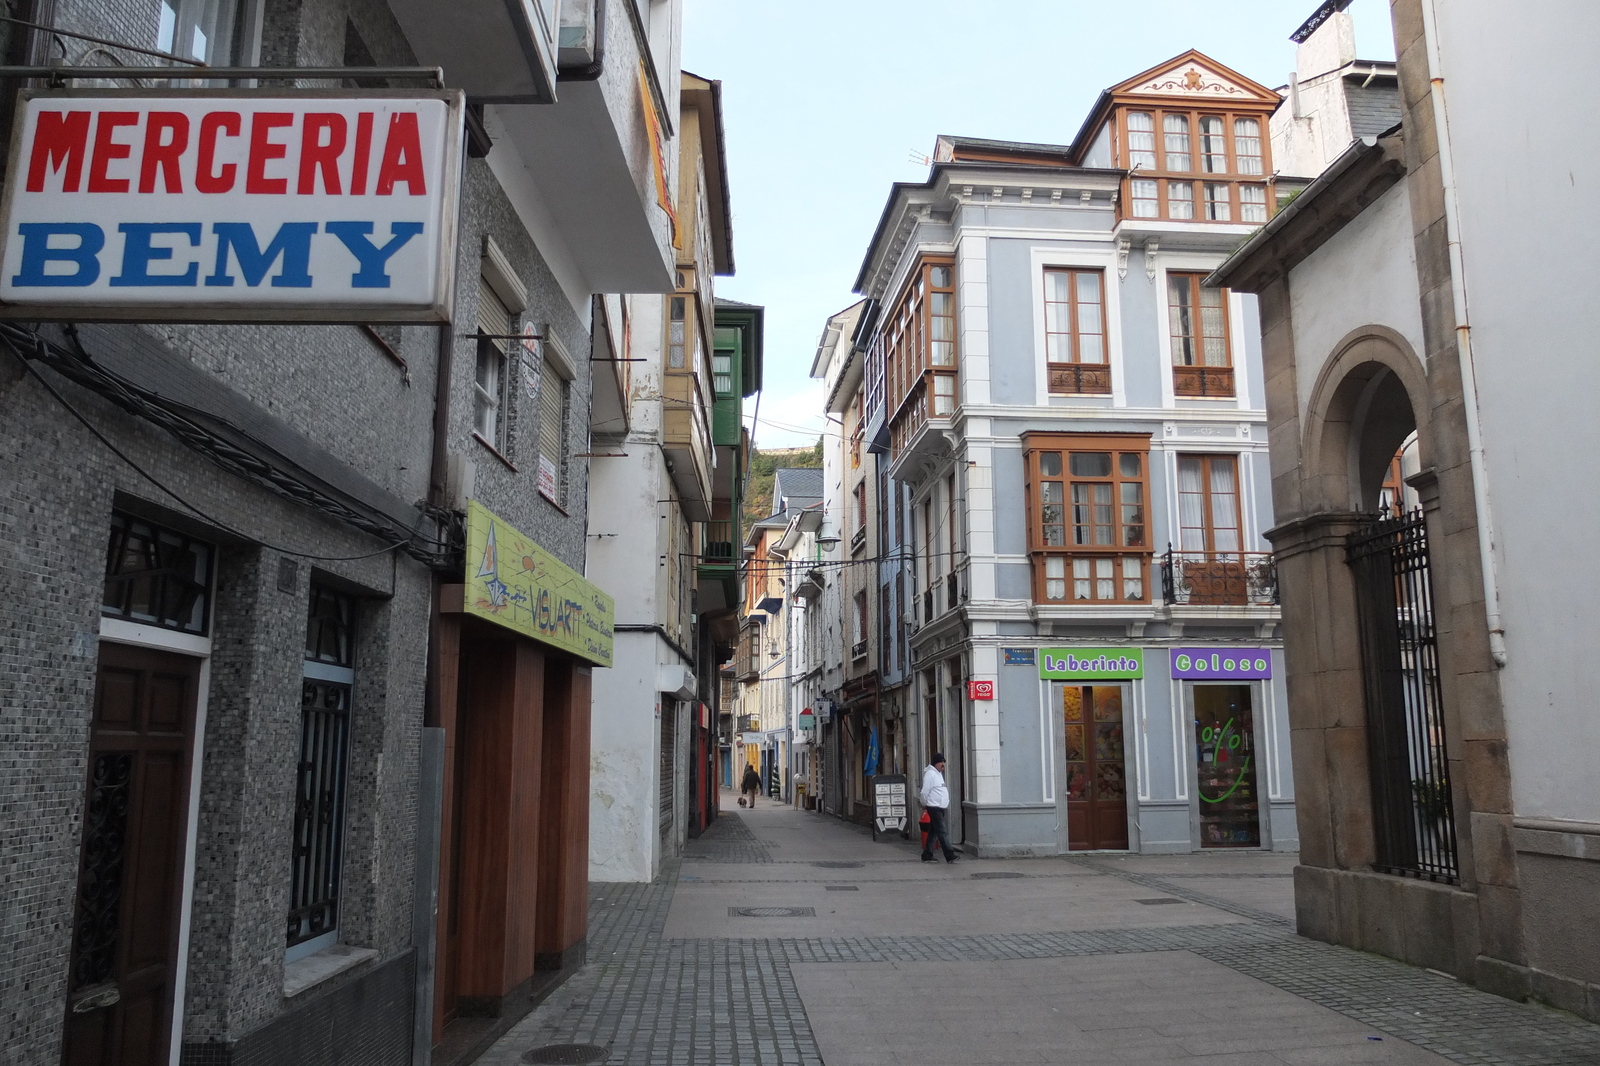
(120, 454)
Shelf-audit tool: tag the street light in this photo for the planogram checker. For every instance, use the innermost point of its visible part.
(828, 541)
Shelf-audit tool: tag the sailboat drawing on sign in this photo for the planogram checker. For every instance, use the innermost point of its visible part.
(489, 573)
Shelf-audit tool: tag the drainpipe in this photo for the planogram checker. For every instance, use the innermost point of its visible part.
(1463, 326)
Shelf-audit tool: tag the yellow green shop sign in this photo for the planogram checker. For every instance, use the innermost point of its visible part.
(513, 582)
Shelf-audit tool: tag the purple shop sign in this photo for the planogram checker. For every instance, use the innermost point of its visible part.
(1221, 664)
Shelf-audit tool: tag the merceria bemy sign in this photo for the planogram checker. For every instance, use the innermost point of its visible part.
(513, 582)
(232, 205)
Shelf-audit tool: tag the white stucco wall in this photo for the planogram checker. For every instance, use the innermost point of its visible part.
(1365, 275)
(1520, 93)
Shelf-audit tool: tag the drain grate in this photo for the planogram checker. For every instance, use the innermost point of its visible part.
(771, 912)
(567, 1054)
(995, 875)
(842, 888)
(1159, 900)
(837, 864)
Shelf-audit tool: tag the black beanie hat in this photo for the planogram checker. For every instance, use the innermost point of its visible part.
(938, 757)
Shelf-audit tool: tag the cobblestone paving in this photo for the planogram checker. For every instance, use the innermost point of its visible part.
(658, 1002)
(728, 840)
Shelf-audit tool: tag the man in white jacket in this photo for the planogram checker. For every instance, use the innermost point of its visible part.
(936, 801)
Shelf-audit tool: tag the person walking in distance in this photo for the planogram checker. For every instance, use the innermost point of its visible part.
(936, 801)
(750, 785)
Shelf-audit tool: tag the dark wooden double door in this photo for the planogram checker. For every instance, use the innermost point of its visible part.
(124, 959)
(1096, 791)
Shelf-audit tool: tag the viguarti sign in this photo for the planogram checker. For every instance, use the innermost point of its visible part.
(1091, 664)
(513, 582)
(232, 205)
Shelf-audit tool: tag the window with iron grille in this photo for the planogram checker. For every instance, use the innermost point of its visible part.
(156, 577)
(327, 682)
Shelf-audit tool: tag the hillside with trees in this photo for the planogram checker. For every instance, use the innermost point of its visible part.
(763, 465)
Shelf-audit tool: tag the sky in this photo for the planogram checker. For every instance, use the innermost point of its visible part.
(827, 102)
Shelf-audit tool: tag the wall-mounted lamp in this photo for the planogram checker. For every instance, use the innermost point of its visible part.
(828, 542)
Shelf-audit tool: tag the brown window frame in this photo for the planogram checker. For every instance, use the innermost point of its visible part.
(1208, 528)
(1074, 375)
(1041, 553)
(904, 342)
(1195, 175)
(1199, 379)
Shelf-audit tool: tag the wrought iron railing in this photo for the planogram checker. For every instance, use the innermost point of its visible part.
(1413, 810)
(1202, 380)
(858, 650)
(1219, 579)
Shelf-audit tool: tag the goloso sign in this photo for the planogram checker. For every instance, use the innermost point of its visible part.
(980, 690)
(204, 205)
(1221, 664)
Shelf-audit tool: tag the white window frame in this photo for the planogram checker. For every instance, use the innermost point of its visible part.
(1049, 258)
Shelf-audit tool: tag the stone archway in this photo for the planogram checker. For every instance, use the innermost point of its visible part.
(1370, 396)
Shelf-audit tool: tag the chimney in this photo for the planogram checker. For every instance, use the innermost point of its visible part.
(1326, 41)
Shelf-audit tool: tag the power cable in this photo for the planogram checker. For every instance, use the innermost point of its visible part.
(33, 371)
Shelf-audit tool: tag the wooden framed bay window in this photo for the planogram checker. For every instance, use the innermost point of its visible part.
(1088, 531)
(916, 344)
(1196, 165)
(1197, 323)
(1075, 332)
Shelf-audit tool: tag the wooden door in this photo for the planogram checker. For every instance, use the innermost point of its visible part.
(130, 883)
(1096, 778)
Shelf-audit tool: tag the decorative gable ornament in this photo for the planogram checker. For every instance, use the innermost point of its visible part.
(1191, 79)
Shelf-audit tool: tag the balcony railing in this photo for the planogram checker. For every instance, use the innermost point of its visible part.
(717, 543)
(952, 586)
(858, 650)
(1219, 579)
(927, 606)
(1202, 380)
(1080, 379)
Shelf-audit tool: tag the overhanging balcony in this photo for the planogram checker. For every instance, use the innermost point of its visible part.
(686, 439)
(1219, 579)
(580, 172)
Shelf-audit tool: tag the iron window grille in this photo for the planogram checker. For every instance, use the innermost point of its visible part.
(157, 577)
(321, 781)
(1412, 803)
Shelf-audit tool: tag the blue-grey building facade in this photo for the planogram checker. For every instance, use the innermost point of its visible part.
(1079, 428)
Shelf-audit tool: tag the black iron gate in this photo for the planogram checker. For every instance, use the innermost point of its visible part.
(1412, 812)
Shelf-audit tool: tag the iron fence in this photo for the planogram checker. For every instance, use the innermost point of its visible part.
(1412, 805)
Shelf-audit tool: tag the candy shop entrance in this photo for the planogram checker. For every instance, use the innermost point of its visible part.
(1224, 741)
(1096, 781)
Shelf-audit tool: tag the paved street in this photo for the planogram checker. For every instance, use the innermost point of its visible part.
(1138, 959)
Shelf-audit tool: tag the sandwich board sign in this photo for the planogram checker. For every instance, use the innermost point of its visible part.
(888, 804)
(232, 205)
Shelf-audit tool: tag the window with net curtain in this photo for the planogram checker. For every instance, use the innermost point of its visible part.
(1198, 322)
(1208, 505)
(1088, 528)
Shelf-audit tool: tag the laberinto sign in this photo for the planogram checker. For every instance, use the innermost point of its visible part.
(1091, 664)
(232, 205)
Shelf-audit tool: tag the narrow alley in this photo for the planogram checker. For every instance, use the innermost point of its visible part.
(785, 937)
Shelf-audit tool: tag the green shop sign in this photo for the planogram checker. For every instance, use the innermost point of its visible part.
(1091, 664)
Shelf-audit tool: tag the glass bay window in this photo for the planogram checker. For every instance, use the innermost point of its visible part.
(1087, 529)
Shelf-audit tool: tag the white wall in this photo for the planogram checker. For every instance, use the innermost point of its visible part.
(1520, 92)
(1365, 275)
